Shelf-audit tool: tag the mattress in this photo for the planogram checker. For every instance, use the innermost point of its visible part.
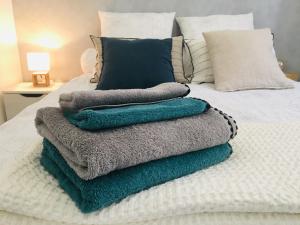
(275, 200)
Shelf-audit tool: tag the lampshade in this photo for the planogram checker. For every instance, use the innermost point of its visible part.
(38, 61)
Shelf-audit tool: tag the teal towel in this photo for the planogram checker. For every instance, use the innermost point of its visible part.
(103, 191)
(97, 119)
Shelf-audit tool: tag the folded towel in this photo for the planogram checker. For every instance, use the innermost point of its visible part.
(136, 114)
(103, 191)
(75, 101)
(93, 154)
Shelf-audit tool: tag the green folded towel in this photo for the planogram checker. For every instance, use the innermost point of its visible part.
(103, 191)
(96, 119)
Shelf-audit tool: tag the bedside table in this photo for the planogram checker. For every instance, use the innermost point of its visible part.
(293, 76)
(18, 97)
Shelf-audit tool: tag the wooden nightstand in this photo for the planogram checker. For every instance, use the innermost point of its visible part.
(17, 97)
(293, 76)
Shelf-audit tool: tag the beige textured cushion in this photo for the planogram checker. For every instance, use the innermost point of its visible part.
(177, 61)
(98, 46)
(243, 60)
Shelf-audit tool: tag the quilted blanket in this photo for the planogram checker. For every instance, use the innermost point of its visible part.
(262, 176)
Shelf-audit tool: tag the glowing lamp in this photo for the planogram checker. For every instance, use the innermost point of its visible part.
(39, 64)
(38, 61)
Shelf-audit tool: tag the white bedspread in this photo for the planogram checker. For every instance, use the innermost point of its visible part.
(261, 177)
(253, 105)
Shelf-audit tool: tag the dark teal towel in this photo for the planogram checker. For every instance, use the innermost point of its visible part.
(103, 191)
(97, 119)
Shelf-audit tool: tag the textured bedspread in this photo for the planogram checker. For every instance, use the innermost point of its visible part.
(191, 219)
(261, 176)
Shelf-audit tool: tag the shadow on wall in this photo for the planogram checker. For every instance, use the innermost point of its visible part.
(2, 112)
(288, 33)
(9, 58)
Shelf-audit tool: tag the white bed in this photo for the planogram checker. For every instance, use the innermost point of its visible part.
(259, 184)
(253, 105)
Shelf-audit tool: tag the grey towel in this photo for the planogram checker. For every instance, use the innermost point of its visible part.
(92, 154)
(78, 100)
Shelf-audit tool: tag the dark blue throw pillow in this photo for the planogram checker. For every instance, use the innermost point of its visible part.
(129, 64)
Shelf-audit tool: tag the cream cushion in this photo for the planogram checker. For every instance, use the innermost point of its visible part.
(243, 60)
(177, 60)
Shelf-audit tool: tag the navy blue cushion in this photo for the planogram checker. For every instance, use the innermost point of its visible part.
(141, 63)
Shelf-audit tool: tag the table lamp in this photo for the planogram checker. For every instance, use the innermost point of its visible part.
(39, 64)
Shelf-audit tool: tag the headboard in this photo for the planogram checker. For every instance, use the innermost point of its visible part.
(65, 25)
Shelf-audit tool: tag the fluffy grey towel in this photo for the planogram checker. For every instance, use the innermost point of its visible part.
(92, 154)
(78, 100)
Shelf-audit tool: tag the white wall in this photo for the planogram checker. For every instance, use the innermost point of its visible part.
(64, 25)
(10, 71)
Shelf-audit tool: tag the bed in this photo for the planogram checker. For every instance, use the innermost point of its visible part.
(259, 184)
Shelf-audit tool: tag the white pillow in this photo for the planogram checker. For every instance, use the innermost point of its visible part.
(136, 25)
(193, 28)
(88, 61)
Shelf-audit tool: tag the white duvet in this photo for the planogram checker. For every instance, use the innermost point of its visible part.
(261, 181)
(254, 105)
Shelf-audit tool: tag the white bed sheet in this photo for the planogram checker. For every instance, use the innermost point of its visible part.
(18, 136)
(253, 105)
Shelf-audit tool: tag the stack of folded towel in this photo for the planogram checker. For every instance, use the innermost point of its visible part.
(103, 146)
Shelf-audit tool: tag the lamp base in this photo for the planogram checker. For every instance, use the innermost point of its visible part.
(41, 79)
